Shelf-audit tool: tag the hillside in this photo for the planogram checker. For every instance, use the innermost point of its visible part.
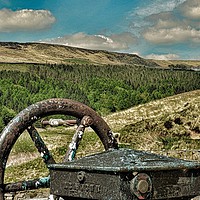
(12, 52)
(155, 109)
(179, 64)
(165, 63)
(168, 124)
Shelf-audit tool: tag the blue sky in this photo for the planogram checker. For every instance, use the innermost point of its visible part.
(160, 29)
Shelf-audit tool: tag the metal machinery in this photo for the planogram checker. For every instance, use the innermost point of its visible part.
(115, 174)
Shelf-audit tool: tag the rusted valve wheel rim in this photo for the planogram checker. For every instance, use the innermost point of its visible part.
(31, 114)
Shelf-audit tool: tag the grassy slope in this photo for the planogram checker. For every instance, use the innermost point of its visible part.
(165, 63)
(154, 109)
(48, 53)
(172, 124)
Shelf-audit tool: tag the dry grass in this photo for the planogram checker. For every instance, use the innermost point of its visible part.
(154, 109)
(165, 63)
(49, 53)
(166, 126)
(46, 53)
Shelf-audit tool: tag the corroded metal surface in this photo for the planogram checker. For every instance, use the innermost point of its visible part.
(28, 185)
(36, 111)
(125, 160)
(86, 121)
(40, 145)
(94, 186)
(126, 174)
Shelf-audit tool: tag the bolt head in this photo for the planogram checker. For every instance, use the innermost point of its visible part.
(143, 186)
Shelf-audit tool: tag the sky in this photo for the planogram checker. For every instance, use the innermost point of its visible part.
(158, 29)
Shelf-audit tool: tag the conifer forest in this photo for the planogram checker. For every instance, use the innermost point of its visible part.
(106, 88)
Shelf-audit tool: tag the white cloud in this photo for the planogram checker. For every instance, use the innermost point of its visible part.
(139, 17)
(163, 56)
(172, 35)
(113, 42)
(164, 20)
(25, 20)
(157, 6)
(176, 26)
(190, 9)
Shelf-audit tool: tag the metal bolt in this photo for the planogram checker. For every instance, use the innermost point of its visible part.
(143, 186)
(81, 176)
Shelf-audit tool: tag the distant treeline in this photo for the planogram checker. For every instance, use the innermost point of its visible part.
(104, 88)
(184, 67)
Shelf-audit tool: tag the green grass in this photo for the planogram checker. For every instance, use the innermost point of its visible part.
(24, 144)
(26, 171)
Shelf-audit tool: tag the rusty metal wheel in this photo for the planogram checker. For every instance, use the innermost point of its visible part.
(25, 120)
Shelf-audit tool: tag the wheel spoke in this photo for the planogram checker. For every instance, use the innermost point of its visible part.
(73, 146)
(27, 185)
(40, 145)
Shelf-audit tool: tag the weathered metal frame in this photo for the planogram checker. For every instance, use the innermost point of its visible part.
(25, 119)
(126, 174)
